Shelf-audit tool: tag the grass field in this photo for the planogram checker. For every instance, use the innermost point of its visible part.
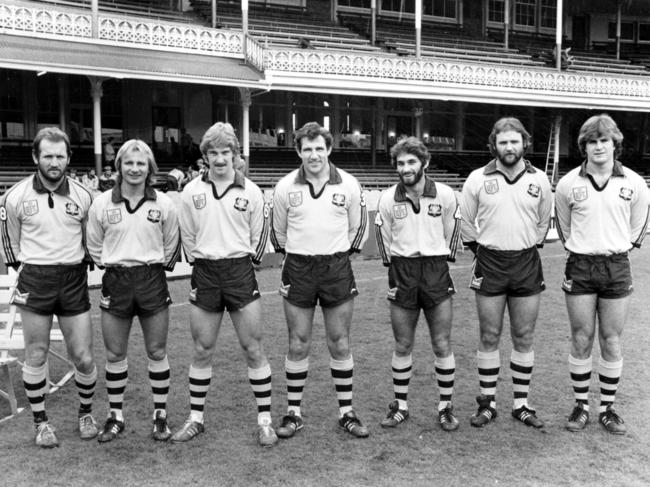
(417, 453)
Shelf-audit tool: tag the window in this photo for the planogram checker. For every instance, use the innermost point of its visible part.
(644, 32)
(402, 6)
(440, 8)
(495, 11)
(548, 13)
(525, 13)
(627, 31)
(354, 3)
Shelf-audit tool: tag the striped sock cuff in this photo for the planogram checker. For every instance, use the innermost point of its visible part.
(609, 374)
(161, 365)
(35, 382)
(296, 367)
(446, 376)
(521, 368)
(580, 371)
(342, 375)
(488, 372)
(199, 384)
(260, 380)
(86, 388)
(159, 376)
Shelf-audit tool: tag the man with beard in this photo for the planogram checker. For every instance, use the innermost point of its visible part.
(601, 213)
(319, 219)
(417, 229)
(43, 218)
(506, 211)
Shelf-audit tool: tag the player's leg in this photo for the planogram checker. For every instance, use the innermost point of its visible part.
(523, 313)
(78, 334)
(403, 322)
(299, 325)
(248, 325)
(204, 326)
(439, 320)
(115, 331)
(612, 315)
(154, 330)
(582, 310)
(490, 318)
(338, 320)
(36, 334)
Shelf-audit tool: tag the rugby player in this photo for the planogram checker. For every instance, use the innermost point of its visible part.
(225, 225)
(601, 212)
(319, 219)
(43, 218)
(133, 233)
(417, 229)
(506, 211)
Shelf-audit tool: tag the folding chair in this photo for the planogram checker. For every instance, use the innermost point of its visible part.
(12, 340)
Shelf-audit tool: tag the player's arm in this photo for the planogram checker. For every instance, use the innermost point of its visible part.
(562, 211)
(279, 219)
(383, 225)
(451, 221)
(95, 232)
(639, 212)
(171, 237)
(260, 221)
(357, 219)
(468, 212)
(187, 226)
(11, 225)
(545, 210)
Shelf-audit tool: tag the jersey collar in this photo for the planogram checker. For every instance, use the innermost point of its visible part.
(429, 190)
(117, 197)
(63, 189)
(335, 176)
(240, 179)
(617, 170)
(492, 168)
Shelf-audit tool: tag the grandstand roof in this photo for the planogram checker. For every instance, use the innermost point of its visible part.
(22, 52)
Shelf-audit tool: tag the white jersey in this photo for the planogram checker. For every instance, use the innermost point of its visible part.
(231, 225)
(601, 220)
(118, 235)
(44, 227)
(305, 223)
(510, 214)
(405, 230)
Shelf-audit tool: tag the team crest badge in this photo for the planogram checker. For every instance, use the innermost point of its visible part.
(241, 204)
(153, 216)
(379, 221)
(295, 198)
(284, 290)
(104, 301)
(476, 282)
(392, 294)
(435, 209)
(399, 211)
(30, 207)
(72, 208)
(338, 199)
(626, 194)
(534, 190)
(199, 201)
(19, 298)
(114, 216)
(580, 193)
(491, 186)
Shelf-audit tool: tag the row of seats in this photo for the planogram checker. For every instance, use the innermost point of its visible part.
(137, 8)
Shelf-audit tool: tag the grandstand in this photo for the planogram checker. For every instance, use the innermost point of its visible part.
(150, 68)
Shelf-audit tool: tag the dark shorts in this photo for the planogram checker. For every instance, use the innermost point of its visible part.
(608, 276)
(419, 282)
(134, 291)
(60, 290)
(324, 279)
(516, 273)
(223, 284)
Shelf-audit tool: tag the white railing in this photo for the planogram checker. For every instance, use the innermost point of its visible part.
(65, 24)
(447, 71)
(254, 53)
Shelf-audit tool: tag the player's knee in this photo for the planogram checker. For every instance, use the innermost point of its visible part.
(489, 339)
(298, 348)
(403, 347)
(203, 355)
(157, 353)
(36, 356)
(441, 346)
(610, 347)
(339, 347)
(84, 361)
(254, 354)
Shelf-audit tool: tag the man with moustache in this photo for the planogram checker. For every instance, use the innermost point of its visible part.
(417, 229)
(319, 219)
(601, 210)
(224, 228)
(506, 211)
(133, 233)
(43, 218)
